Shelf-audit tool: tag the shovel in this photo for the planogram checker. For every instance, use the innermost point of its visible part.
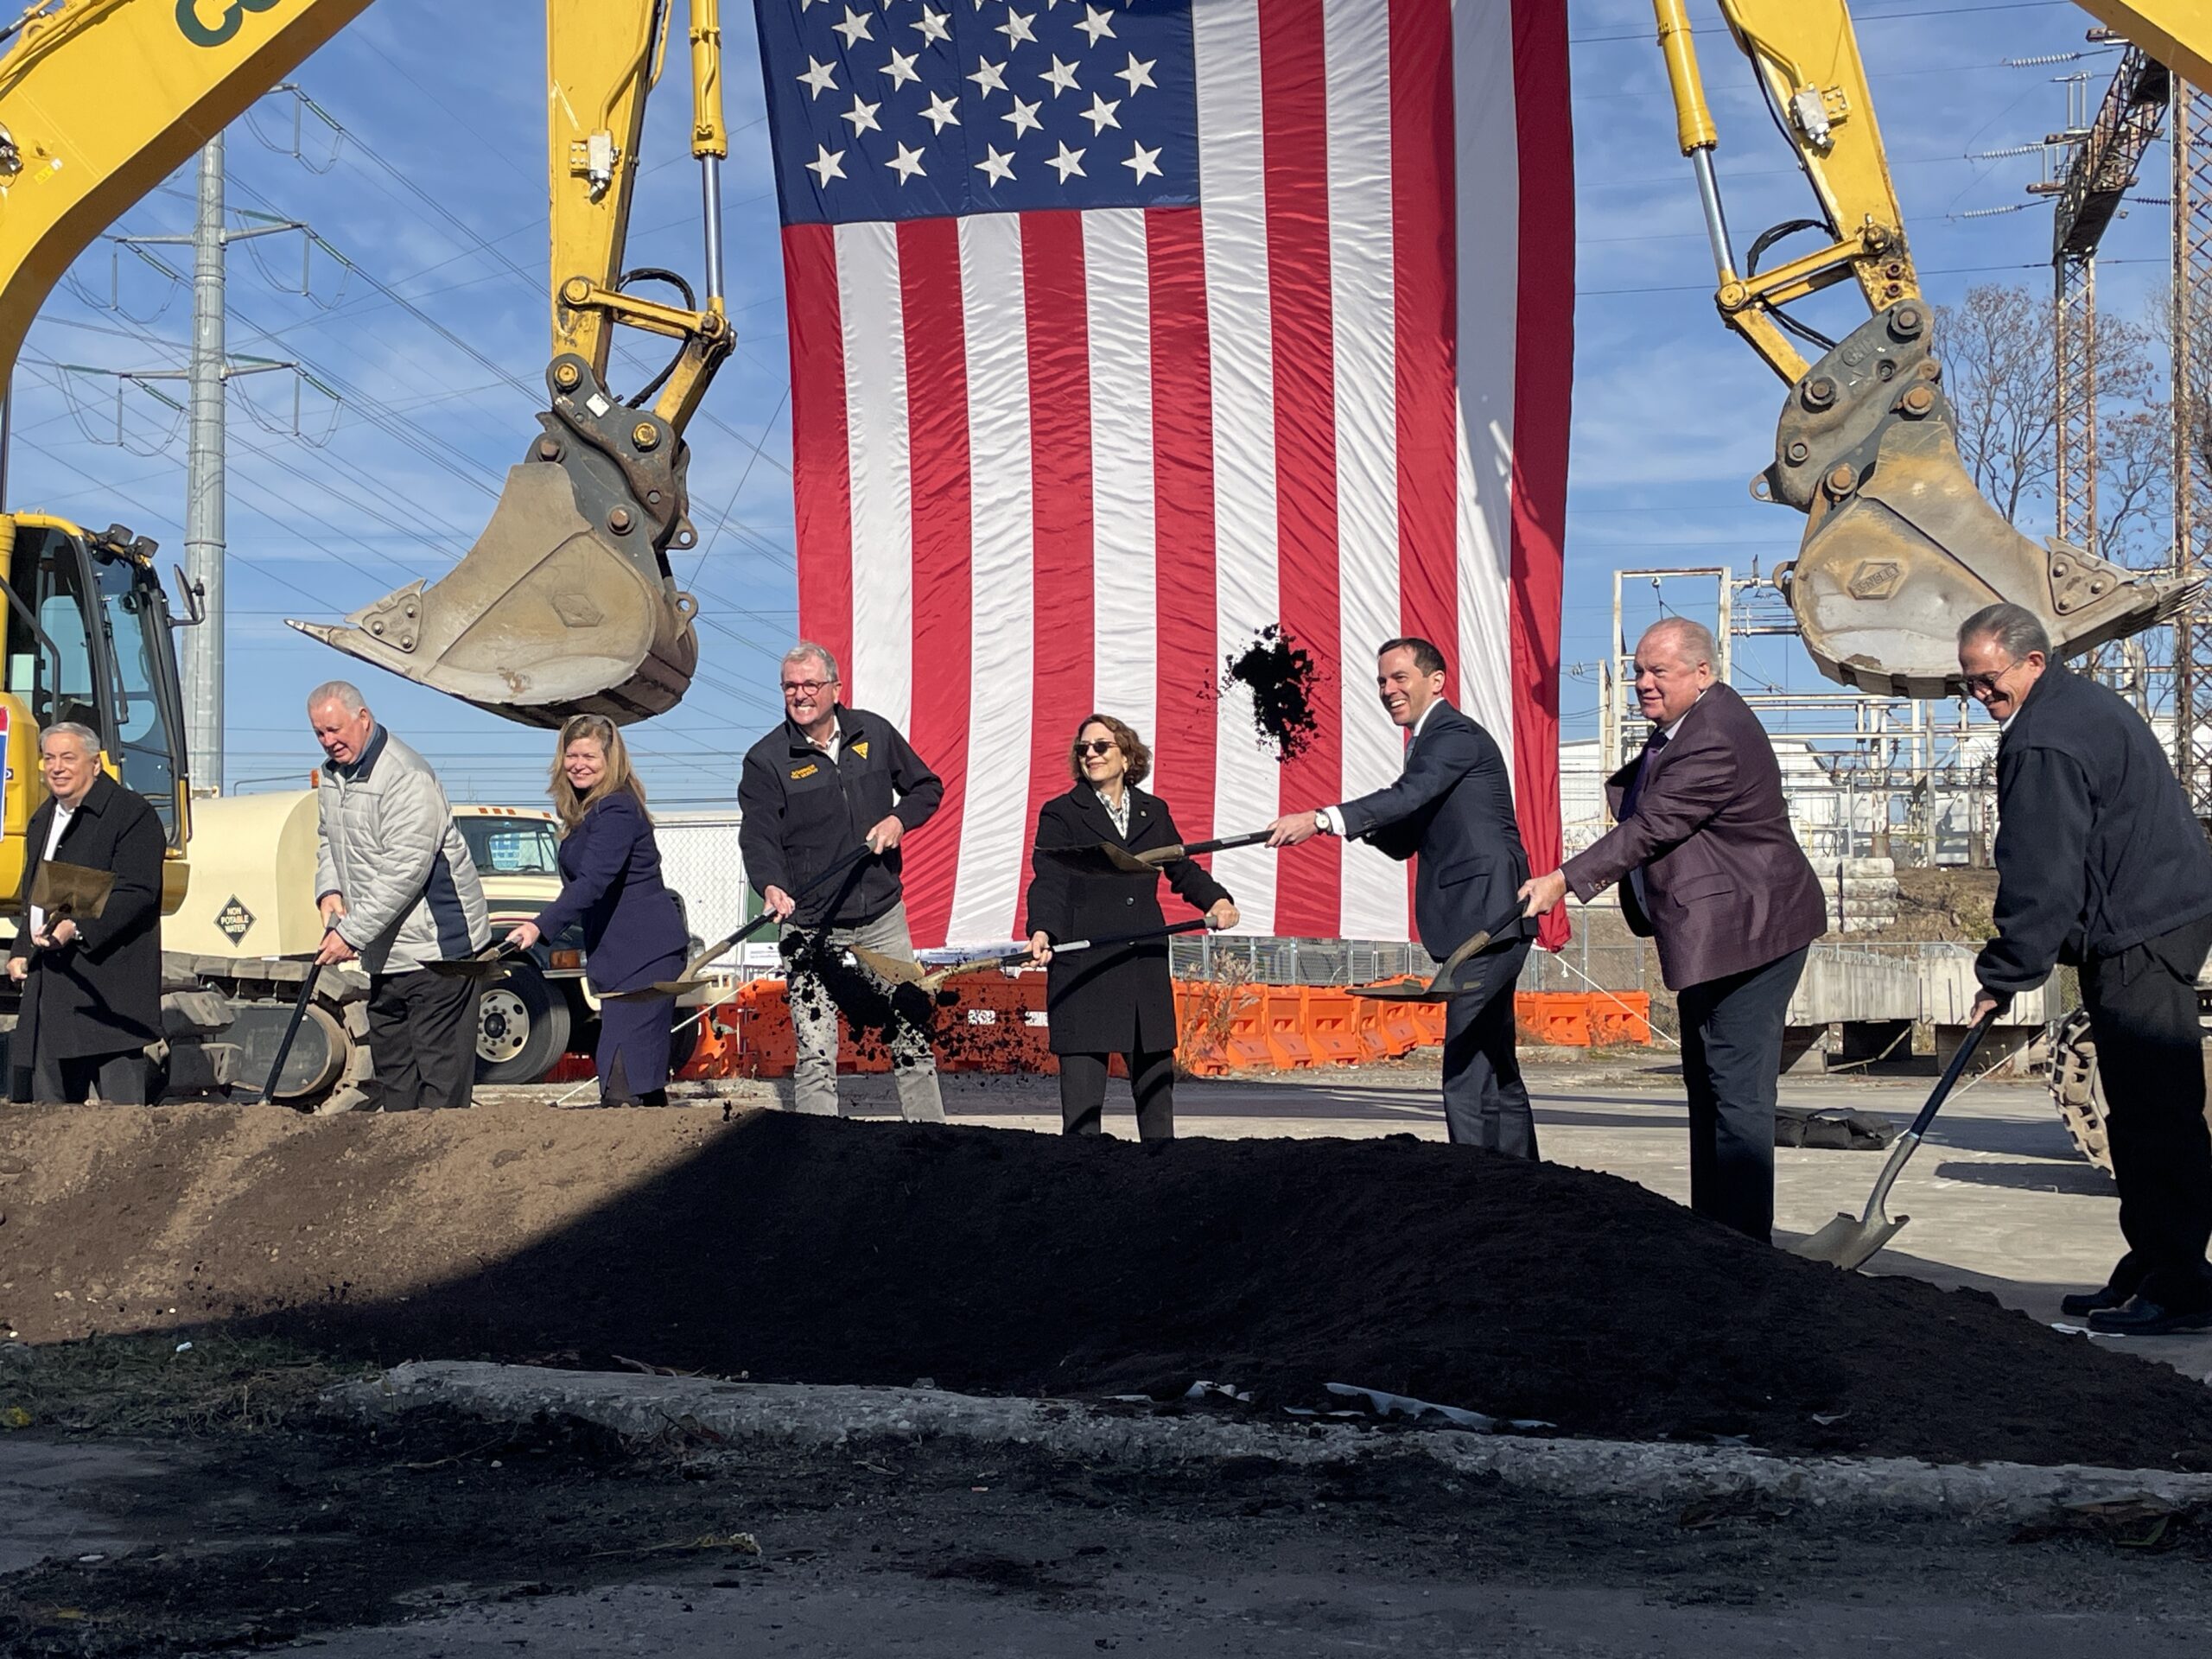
(689, 979)
(268, 1091)
(1439, 986)
(1851, 1241)
(1104, 858)
(900, 972)
(486, 964)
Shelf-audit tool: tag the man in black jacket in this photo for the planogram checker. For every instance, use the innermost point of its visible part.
(1453, 805)
(2100, 864)
(92, 986)
(827, 783)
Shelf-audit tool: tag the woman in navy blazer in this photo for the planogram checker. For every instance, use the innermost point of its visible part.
(610, 882)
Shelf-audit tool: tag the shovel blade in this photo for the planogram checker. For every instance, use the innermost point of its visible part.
(896, 969)
(1411, 990)
(1850, 1242)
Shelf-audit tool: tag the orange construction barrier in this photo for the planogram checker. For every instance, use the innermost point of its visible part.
(1332, 1025)
(1610, 1023)
(1283, 1010)
(1577, 1019)
(1386, 1029)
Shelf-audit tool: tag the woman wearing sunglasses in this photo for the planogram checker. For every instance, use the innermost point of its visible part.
(1117, 1000)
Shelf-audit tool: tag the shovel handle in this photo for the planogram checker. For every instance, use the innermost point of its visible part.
(1190, 926)
(291, 1030)
(691, 969)
(1970, 1041)
(1223, 843)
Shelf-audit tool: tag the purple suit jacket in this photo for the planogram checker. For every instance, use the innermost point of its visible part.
(1726, 885)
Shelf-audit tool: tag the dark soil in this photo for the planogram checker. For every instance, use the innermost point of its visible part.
(832, 1250)
(1282, 677)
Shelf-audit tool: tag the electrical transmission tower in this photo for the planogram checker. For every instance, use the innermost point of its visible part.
(2106, 152)
(209, 369)
(2191, 354)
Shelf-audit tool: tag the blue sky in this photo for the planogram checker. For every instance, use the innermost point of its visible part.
(433, 187)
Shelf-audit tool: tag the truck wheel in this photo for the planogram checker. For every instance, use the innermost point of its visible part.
(522, 1028)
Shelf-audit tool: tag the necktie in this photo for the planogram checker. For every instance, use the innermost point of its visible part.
(1635, 791)
(1628, 798)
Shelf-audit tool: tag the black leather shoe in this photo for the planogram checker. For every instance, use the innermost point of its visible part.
(2144, 1317)
(2092, 1301)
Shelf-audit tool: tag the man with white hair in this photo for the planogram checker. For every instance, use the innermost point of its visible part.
(2102, 864)
(91, 985)
(834, 784)
(1710, 870)
(397, 889)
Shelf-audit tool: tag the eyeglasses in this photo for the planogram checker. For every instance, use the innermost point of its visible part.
(1986, 685)
(1097, 745)
(806, 688)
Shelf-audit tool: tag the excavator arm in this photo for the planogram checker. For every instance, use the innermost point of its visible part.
(1899, 548)
(566, 603)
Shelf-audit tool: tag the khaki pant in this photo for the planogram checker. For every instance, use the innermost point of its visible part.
(814, 1023)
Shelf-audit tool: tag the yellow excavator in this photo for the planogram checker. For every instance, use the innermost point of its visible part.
(1899, 548)
(564, 605)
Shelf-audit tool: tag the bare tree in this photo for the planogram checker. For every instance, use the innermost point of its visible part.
(2001, 373)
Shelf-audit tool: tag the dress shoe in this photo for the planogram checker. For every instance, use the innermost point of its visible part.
(2144, 1317)
(2092, 1301)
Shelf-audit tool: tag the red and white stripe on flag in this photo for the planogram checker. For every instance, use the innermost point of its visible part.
(1054, 462)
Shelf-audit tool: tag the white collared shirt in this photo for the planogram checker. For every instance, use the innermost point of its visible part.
(1329, 817)
(62, 814)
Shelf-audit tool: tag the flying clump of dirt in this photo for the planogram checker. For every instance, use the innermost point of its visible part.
(1282, 677)
(825, 982)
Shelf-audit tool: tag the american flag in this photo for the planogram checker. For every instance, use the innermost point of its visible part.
(1122, 330)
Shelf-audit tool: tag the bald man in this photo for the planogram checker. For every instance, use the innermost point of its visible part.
(1711, 870)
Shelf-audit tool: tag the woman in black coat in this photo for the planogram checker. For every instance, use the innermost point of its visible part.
(1120, 999)
(610, 882)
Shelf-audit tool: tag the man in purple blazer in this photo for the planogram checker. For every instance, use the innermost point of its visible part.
(1710, 870)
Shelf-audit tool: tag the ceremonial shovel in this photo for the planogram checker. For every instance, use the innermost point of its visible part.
(691, 980)
(1439, 986)
(1850, 1240)
(486, 964)
(901, 972)
(1104, 858)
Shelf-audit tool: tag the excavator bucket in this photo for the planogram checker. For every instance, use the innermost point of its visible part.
(565, 604)
(1899, 547)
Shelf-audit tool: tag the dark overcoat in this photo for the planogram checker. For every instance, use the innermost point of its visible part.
(611, 883)
(1452, 808)
(1726, 887)
(1119, 1000)
(101, 993)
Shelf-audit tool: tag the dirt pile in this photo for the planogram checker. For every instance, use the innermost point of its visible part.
(994, 1260)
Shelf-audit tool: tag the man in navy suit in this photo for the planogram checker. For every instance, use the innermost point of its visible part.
(1453, 805)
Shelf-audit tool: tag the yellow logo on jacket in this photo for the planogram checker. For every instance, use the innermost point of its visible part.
(807, 770)
(860, 749)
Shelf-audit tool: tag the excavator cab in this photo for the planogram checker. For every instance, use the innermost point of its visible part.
(90, 639)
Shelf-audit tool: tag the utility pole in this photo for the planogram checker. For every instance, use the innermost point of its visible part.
(208, 371)
(202, 663)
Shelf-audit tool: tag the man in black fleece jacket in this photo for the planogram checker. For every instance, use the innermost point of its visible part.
(2102, 864)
